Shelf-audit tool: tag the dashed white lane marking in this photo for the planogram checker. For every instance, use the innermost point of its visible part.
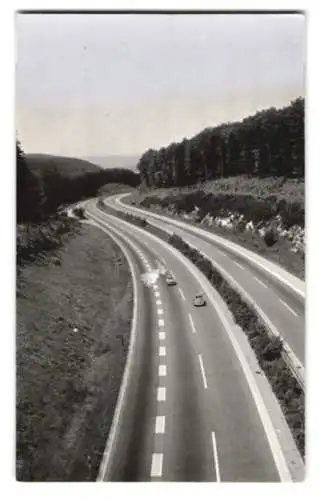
(160, 312)
(162, 351)
(239, 265)
(158, 302)
(155, 287)
(161, 335)
(216, 463)
(202, 371)
(162, 370)
(181, 292)
(261, 282)
(288, 307)
(157, 294)
(161, 394)
(191, 322)
(161, 322)
(222, 253)
(157, 465)
(160, 425)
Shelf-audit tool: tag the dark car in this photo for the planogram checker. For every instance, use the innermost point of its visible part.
(170, 280)
(199, 300)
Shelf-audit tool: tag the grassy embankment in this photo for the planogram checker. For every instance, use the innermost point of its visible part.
(258, 200)
(74, 307)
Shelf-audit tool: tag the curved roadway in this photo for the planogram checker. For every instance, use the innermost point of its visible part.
(190, 412)
(283, 307)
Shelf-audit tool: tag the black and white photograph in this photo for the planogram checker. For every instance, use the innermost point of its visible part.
(160, 246)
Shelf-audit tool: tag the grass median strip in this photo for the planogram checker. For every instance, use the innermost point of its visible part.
(267, 350)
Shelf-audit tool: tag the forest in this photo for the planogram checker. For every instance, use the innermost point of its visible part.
(43, 185)
(267, 144)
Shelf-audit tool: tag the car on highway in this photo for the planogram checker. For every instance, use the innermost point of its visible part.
(170, 280)
(199, 300)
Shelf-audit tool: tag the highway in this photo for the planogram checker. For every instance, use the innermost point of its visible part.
(280, 303)
(191, 410)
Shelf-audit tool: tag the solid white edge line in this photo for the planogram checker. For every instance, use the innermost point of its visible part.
(182, 294)
(216, 302)
(202, 371)
(105, 462)
(157, 465)
(288, 307)
(191, 322)
(160, 425)
(216, 462)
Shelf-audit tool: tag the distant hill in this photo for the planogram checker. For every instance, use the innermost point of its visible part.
(64, 180)
(42, 165)
(115, 161)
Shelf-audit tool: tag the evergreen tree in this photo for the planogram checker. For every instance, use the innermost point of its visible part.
(30, 198)
(270, 143)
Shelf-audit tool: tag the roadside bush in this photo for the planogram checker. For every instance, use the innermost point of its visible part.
(79, 212)
(273, 349)
(253, 208)
(270, 237)
(36, 240)
(135, 220)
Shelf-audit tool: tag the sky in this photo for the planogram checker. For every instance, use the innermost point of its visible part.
(95, 85)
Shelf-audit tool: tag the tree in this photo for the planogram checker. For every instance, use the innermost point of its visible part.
(269, 143)
(30, 199)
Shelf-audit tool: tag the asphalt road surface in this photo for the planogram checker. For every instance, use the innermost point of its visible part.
(189, 411)
(283, 307)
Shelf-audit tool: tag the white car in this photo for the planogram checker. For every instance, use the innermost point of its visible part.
(199, 300)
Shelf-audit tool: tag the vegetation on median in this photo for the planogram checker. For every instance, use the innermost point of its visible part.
(268, 350)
